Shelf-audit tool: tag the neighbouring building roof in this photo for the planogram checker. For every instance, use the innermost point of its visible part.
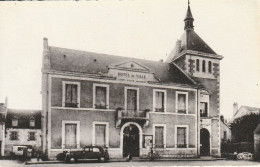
(23, 117)
(245, 110)
(69, 60)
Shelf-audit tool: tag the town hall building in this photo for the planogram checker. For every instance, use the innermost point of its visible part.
(129, 105)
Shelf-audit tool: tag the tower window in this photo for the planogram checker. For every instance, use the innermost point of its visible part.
(197, 65)
(210, 67)
(203, 66)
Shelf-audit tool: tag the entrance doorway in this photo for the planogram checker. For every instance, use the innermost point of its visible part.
(204, 142)
(131, 141)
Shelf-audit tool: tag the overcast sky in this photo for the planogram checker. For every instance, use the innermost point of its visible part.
(131, 28)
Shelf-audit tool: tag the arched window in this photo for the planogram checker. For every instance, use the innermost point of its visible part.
(203, 66)
(210, 67)
(197, 65)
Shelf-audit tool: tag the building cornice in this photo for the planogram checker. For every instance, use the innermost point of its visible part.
(196, 53)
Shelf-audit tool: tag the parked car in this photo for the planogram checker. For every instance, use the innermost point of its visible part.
(87, 153)
(245, 156)
(18, 150)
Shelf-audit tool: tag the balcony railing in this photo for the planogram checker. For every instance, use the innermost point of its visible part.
(132, 115)
(100, 106)
(159, 109)
(69, 104)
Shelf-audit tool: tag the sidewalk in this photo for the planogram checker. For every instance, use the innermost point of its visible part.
(34, 161)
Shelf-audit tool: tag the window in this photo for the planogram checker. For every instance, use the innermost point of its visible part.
(159, 100)
(95, 149)
(31, 136)
(101, 96)
(197, 65)
(70, 134)
(13, 135)
(203, 66)
(203, 109)
(182, 102)
(159, 132)
(32, 122)
(225, 135)
(181, 137)
(131, 99)
(14, 122)
(100, 134)
(71, 94)
(210, 67)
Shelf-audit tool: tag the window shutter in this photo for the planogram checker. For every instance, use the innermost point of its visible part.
(100, 135)
(181, 137)
(131, 99)
(159, 137)
(68, 93)
(182, 102)
(74, 94)
(101, 97)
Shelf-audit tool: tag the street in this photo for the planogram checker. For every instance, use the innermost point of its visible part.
(12, 163)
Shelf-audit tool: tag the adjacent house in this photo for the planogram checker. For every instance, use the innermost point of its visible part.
(243, 110)
(23, 127)
(128, 104)
(3, 110)
(225, 130)
(257, 142)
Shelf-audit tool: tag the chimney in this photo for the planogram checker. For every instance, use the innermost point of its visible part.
(6, 101)
(235, 108)
(45, 43)
(178, 46)
(222, 118)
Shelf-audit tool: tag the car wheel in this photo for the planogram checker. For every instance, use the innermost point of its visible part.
(102, 159)
(68, 159)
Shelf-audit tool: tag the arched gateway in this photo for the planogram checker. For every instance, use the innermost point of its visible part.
(131, 137)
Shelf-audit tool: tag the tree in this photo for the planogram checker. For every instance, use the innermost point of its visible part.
(243, 127)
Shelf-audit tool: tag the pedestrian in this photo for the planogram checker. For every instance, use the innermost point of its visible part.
(235, 155)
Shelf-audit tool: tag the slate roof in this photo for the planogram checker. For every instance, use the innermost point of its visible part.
(248, 109)
(70, 60)
(190, 40)
(23, 117)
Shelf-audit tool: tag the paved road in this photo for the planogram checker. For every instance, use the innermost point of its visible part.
(9, 163)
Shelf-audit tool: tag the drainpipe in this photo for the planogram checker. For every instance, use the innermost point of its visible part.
(198, 121)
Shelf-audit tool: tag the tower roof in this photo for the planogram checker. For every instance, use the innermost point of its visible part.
(189, 14)
(190, 40)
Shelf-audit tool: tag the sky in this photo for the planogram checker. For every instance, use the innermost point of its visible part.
(130, 28)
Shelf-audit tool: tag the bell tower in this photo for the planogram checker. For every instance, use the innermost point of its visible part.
(196, 58)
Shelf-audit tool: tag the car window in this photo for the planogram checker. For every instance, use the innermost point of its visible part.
(20, 149)
(86, 149)
(95, 149)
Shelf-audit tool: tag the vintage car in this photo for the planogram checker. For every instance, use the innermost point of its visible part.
(18, 150)
(245, 156)
(87, 153)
